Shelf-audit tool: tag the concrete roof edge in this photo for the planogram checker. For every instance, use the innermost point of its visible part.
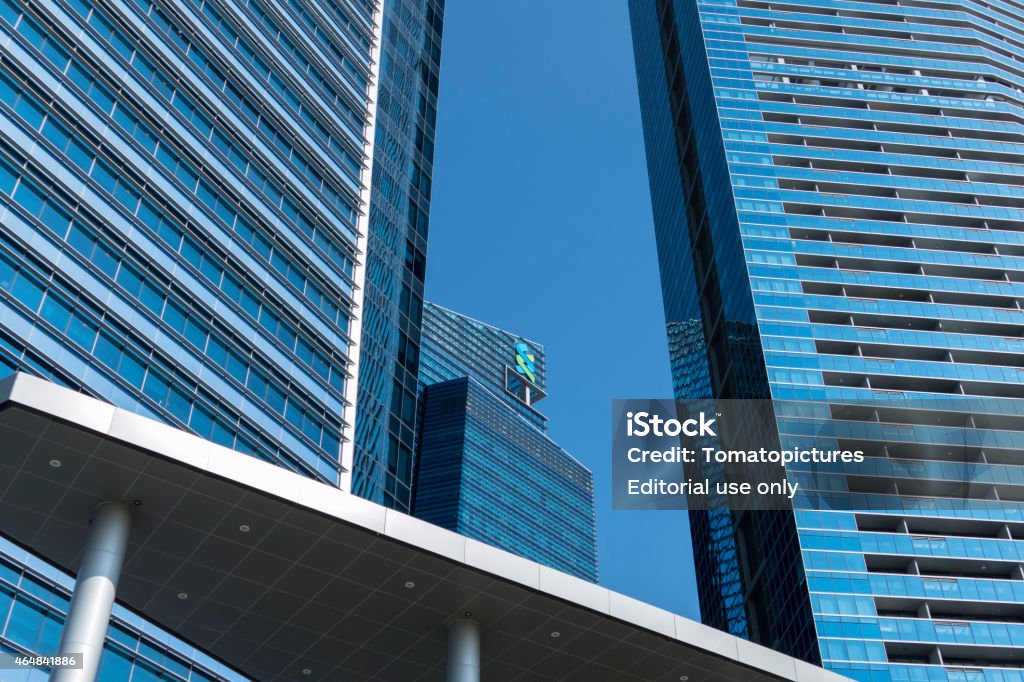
(146, 434)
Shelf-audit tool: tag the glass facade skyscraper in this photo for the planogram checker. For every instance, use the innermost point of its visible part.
(392, 305)
(181, 191)
(838, 208)
(485, 467)
(189, 231)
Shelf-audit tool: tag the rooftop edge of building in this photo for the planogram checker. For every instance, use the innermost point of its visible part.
(112, 454)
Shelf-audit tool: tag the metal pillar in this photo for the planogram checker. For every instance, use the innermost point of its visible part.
(93, 596)
(463, 651)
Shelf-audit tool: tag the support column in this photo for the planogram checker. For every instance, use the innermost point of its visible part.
(93, 595)
(463, 651)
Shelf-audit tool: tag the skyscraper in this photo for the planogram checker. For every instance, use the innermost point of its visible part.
(189, 229)
(485, 467)
(181, 214)
(396, 252)
(837, 201)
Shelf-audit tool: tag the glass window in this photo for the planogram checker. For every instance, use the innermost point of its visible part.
(49, 637)
(179, 404)
(237, 367)
(29, 198)
(196, 333)
(115, 665)
(80, 155)
(201, 422)
(174, 316)
(119, 634)
(151, 297)
(30, 111)
(222, 434)
(11, 575)
(107, 351)
(26, 623)
(56, 312)
(127, 278)
(105, 259)
(155, 387)
(131, 369)
(82, 332)
(26, 291)
(8, 177)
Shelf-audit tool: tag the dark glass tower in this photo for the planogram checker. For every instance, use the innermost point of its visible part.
(486, 469)
(403, 166)
(838, 209)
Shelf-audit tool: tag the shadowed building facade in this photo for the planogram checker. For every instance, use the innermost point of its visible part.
(403, 166)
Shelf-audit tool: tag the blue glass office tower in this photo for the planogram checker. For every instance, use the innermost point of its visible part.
(485, 467)
(189, 230)
(838, 206)
(181, 190)
(392, 301)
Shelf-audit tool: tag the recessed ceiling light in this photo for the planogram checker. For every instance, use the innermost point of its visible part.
(409, 584)
(182, 596)
(307, 671)
(244, 528)
(556, 634)
(683, 678)
(467, 614)
(55, 463)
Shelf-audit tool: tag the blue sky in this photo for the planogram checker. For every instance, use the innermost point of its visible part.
(541, 224)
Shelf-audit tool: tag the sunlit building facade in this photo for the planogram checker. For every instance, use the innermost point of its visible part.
(212, 213)
(838, 205)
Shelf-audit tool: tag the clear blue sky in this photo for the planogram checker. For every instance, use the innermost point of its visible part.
(541, 224)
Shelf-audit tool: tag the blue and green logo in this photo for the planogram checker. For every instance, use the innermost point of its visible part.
(525, 362)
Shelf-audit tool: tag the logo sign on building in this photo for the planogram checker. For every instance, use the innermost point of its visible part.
(525, 362)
